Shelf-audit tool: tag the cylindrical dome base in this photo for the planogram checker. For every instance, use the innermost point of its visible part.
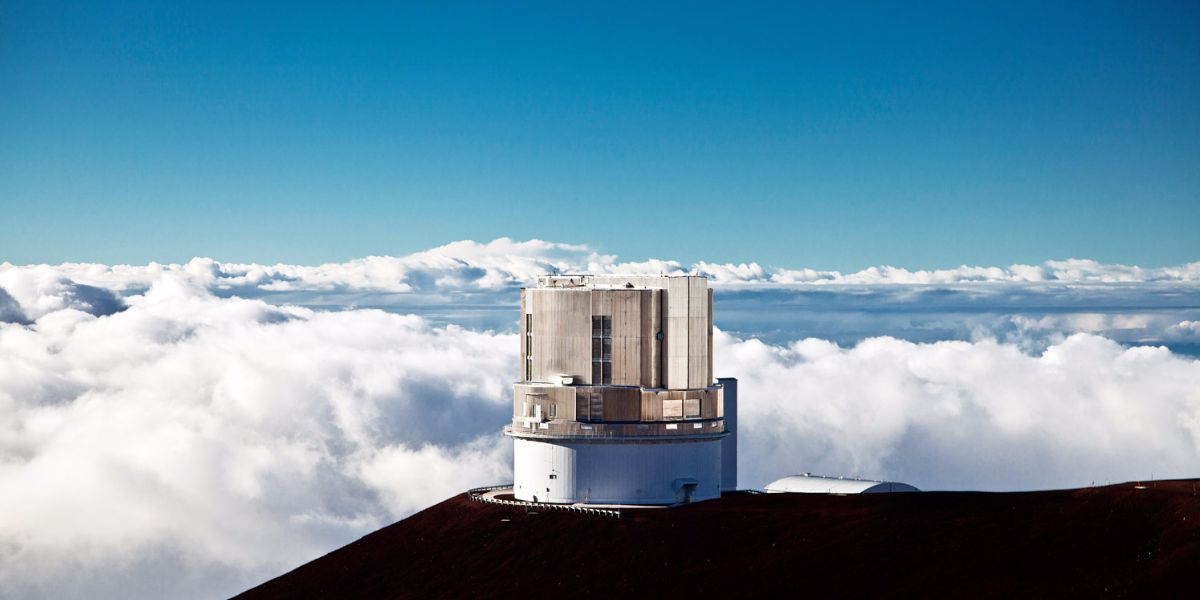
(625, 472)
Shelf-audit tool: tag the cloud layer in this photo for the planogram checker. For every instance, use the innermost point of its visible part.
(966, 415)
(504, 263)
(161, 436)
(228, 438)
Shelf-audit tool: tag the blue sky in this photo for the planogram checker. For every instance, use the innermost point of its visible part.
(788, 134)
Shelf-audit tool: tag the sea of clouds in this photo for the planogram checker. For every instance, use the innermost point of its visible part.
(191, 430)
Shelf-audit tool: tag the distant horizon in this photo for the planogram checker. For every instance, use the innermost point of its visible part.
(949, 264)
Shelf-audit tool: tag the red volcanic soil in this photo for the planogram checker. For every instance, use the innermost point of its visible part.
(1115, 540)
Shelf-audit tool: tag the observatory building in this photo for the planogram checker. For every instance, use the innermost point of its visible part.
(815, 484)
(617, 403)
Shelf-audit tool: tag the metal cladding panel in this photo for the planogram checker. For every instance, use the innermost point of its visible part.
(698, 352)
(729, 465)
(645, 338)
(524, 349)
(651, 406)
(622, 404)
(677, 333)
(616, 473)
(533, 465)
(562, 333)
(709, 335)
(697, 296)
(626, 307)
(647, 473)
(564, 399)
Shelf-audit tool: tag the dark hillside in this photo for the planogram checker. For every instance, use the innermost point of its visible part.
(1115, 540)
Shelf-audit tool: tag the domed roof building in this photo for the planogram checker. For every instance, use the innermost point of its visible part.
(812, 484)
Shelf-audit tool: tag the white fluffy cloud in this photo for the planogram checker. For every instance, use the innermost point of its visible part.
(235, 437)
(1060, 271)
(965, 415)
(505, 263)
(162, 437)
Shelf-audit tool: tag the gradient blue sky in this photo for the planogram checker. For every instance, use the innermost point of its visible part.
(789, 134)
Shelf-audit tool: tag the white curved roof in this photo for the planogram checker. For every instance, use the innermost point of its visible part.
(812, 484)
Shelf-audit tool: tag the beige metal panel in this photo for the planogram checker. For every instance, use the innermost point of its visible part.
(708, 404)
(541, 342)
(562, 334)
(625, 305)
(518, 401)
(622, 404)
(677, 352)
(601, 303)
(629, 361)
(698, 352)
(564, 400)
(656, 345)
(651, 406)
(697, 294)
(677, 296)
(709, 376)
(577, 357)
(626, 312)
(646, 330)
(521, 327)
(672, 410)
(677, 333)
(677, 371)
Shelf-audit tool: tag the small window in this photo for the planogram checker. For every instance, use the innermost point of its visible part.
(601, 350)
(552, 410)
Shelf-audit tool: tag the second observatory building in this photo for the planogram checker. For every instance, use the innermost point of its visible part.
(617, 403)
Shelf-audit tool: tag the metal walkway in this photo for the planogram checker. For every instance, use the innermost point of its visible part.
(488, 495)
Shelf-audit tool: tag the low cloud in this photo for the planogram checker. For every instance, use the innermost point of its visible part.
(469, 266)
(161, 436)
(965, 415)
(229, 437)
(30, 292)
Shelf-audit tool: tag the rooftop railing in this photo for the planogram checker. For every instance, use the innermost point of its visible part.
(577, 429)
(480, 494)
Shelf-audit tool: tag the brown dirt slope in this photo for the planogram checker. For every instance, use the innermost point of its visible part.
(1115, 540)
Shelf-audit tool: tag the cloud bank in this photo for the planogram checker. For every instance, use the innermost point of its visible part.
(966, 415)
(195, 445)
(505, 263)
(161, 436)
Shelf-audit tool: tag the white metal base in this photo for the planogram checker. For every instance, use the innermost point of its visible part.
(627, 472)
